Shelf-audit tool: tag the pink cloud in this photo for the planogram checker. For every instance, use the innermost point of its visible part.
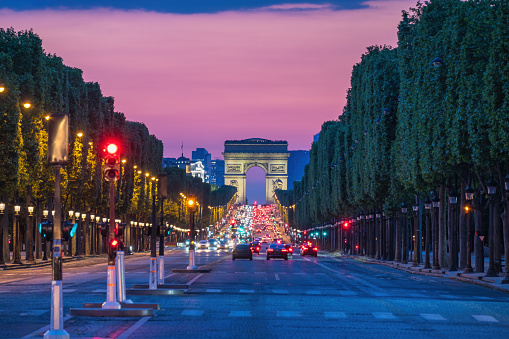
(206, 78)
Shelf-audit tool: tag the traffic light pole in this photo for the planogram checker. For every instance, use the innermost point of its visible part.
(56, 329)
(191, 266)
(111, 287)
(153, 259)
(160, 280)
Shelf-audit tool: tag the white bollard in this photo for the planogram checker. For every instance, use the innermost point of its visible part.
(111, 291)
(57, 322)
(153, 274)
(160, 275)
(191, 266)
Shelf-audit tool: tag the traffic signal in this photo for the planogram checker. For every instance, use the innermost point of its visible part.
(119, 229)
(103, 228)
(305, 232)
(345, 225)
(191, 205)
(46, 230)
(111, 162)
(113, 248)
(68, 230)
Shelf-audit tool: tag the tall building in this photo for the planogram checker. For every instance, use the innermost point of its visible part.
(296, 163)
(169, 162)
(201, 154)
(217, 172)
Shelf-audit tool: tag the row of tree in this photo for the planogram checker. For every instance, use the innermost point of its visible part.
(28, 75)
(428, 118)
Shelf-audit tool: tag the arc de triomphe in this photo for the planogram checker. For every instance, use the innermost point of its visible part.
(271, 156)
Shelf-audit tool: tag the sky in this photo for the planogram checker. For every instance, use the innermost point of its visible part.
(200, 72)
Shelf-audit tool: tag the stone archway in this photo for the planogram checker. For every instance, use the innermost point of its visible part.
(271, 156)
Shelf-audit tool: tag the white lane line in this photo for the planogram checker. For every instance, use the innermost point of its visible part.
(335, 315)
(213, 290)
(133, 328)
(169, 275)
(68, 290)
(314, 292)
(240, 313)
(280, 291)
(277, 276)
(246, 291)
(260, 272)
(384, 316)
(485, 318)
(433, 317)
(192, 312)
(99, 291)
(42, 330)
(288, 314)
(241, 272)
(194, 279)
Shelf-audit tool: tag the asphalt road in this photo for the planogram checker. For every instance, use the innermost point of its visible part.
(304, 297)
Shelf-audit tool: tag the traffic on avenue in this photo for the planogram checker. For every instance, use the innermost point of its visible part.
(255, 277)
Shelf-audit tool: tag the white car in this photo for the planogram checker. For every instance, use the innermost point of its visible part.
(203, 244)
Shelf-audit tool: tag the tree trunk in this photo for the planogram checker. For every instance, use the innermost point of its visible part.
(497, 237)
(442, 230)
(462, 230)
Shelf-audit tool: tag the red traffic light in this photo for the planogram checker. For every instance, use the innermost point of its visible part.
(305, 232)
(345, 225)
(188, 233)
(112, 148)
(233, 222)
(114, 242)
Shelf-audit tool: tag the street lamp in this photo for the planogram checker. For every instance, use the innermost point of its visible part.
(15, 235)
(404, 226)
(469, 196)
(492, 190)
(2, 209)
(438, 62)
(30, 237)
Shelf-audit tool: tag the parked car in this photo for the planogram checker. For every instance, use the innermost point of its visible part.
(242, 251)
(277, 251)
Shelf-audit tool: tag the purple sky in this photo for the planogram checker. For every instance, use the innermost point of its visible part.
(204, 78)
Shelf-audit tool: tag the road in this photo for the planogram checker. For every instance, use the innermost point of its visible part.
(321, 297)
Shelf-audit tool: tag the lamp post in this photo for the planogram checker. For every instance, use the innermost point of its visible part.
(404, 234)
(397, 254)
(2, 211)
(453, 254)
(45, 213)
(436, 205)
(77, 251)
(492, 190)
(469, 196)
(15, 236)
(84, 230)
(69, 242)
(379, 236)
(505, 280)
(415, 209)
(427, 209)
(191, 205)
(30, 236)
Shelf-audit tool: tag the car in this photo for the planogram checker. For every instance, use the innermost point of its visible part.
(289, 247)
(308, 249)
(203, 244)
(255, 247)
(212, 244)
(242, 251)
(277, 251)
(222, 244)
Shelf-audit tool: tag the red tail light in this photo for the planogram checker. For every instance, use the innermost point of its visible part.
(290, 249)
(258, 248)
(270, 250)
(285, 250)
(315, 249)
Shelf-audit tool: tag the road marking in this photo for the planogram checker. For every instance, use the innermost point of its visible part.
(347, 293)
(335, 315)
(288, 314)
(240, 313)
(213, 290)
(384, 316)
(260, 272)
(485, 318)
(133, 328)
(99, 291)
(432, 317)
(69, 290)
(449, 296)
(34, 312)
(482, 298)
(241, 272)
(192, 312)
(42, 330)
(194, 279)
(277, 276)
(379, 294)
(246, 291)
(169, 275)
(280, 291)
(313, 292)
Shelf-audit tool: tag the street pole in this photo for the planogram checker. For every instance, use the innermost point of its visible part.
(415, 263)
(162, 232)
(2, 209)
(468, 266)
(111, 287)
(427, 209)
(192, 207)
(56, 329)
(153, 252)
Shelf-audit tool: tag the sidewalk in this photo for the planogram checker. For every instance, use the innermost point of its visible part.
(473, 278)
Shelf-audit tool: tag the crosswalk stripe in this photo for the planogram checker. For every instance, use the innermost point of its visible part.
(288, 314)
(384, 315)
(192, 312)
(213, 290)
(246, 291)
(432, 317)
(485, 318)
(240, 313)
(335, 315)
